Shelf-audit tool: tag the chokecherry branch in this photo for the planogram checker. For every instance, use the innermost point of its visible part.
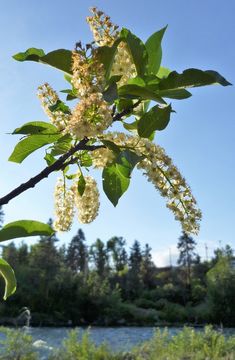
(57, 165)
(61, 163)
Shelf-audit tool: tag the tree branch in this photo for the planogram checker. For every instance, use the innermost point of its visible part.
(57, 165)
(61, 162)
(125, 112)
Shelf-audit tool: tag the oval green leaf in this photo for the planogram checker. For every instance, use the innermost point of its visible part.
(154, 49)
(30, 144)
(36, 127)
(24, 228)
(60, 59)
(191, 78)
(9, 277)
(155, 119)
(137, 50)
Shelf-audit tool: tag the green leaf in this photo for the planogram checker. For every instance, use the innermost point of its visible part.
(114, 183)
(131, 126)
(154, 49)
(62, 145)
(178, 94)
(9, 277)
(116, 177)
(155, 119)
(163, 72)
(81, 185)
(60, 59)
(49, 159)
(24, 228)
(36, 127)
(191, 78)
(32, 54)
(136, 92)
(124, 104)
(60, 106)
(111, 93)
(31, 143)
(112, 146)
(85, 159)
(106, 55)
(137, 50)
(126, 161)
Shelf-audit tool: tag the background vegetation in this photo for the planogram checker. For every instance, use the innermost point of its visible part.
(109, 284)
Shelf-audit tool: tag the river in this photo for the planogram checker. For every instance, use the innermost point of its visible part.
(117, 338)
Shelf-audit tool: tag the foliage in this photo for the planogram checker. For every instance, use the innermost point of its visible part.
(110, 284)
(187, 344)
(16, 345)
(112, 78)
(221, 290)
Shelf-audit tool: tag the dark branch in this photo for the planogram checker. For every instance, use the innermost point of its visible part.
(125, 112)
(61, 163)
(57, 165)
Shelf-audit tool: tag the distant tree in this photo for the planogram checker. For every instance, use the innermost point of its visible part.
(99, 257)
(135, 257)
(148, 268)
(187, 255)
(116, 245)
(134, 284)
(23, 254)
(77, 254)
(221, 291)
(45, 262)
(10, 254)
(227, 252)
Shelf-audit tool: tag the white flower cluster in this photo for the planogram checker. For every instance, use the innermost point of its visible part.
(164, 175)
(104, 31)
(64, 206)
(49, 97)
(123, 64)
(87, 204)
(66, 199)
(90, 117)
(101, 157)
(88, 73)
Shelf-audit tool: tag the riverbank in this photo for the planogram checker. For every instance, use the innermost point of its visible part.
(186, 343)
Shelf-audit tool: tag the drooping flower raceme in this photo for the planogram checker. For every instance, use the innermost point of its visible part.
(160, 170)
(48, 98)
(64, 206)
(88, 203)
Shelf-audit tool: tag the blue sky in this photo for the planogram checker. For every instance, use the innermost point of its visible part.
(200, 137)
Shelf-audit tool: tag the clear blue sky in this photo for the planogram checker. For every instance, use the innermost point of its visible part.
(200, 137)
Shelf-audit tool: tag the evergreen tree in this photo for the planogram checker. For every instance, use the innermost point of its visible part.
(77, 255)
(135, 257)
(116, 245)
(99, 257)
(187, 256)
(134, 280)
(148, 268)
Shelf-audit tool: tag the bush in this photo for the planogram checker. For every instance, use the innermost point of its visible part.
(188, 344)
(16, 345)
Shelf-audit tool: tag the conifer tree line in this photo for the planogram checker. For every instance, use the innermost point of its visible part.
(107, 283)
